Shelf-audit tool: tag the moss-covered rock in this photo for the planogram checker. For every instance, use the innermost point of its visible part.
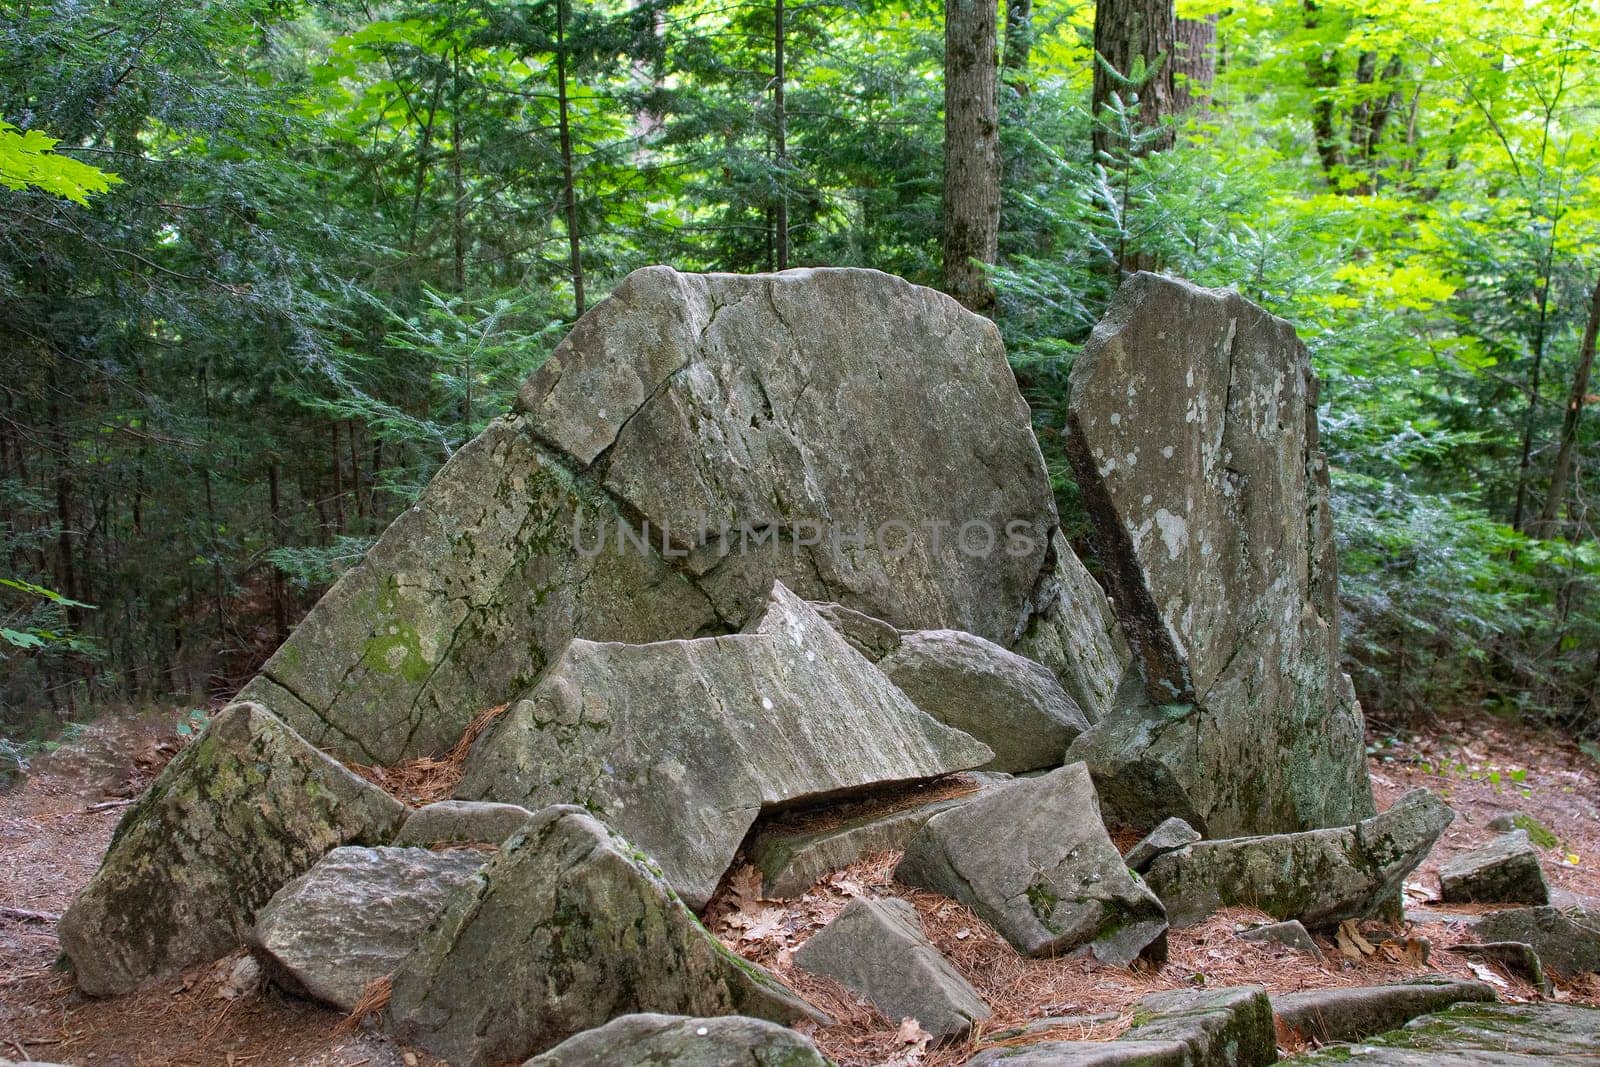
(647, 1040)
(244, 809)
(1348, 1013)
(1478, 1035)
(565, 929)
(1505, 871)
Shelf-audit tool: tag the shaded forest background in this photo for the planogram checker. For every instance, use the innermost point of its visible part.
(340, 234)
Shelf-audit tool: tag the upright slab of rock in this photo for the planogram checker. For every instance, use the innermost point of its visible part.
(1317, 876)
(1034, 861)
(566, 929)
(1192, 432)
(681, 744)
(693, 439)
(244, 809)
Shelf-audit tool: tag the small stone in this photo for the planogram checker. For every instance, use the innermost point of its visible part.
(1538, 832)
(461, 822)
(678, 1041)
(1515, 956)
(1291, 934)
(244, 978)
(878, 949)
(1505, 871)
(1567, 941)
(1168, 837)
(1350, 1013)
(1034, 860)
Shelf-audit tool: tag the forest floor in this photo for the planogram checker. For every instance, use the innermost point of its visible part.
(56, 825)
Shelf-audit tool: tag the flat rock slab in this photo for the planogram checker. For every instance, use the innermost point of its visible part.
(1479, 1035)
(1291, 934)
(1170, 836)
(1567, 940)
(566, 928)
(1348, 1013)
(647, 1040)
(681, 744)
(236, 814)
(1319, 876)
(1505, 871)
(461, 822)
(1228, 1027)
(1514, 956)
(791, 860)
(1034, 861)
(878, 950)
(1012, 704)
(1192, 432)
(354, 916)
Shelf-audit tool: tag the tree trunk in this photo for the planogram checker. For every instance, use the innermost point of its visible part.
(1530, 418)
(1322, 74)
(280, 606)
(569, 188)
(779, 137)
(971, 152)
(1548, 519)
(1195, 62)
(1126, 32)
(458, 198)
(1019, 44)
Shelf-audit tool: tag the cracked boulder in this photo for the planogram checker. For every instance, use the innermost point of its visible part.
(879, 950)
(1505, 871)
(1012, 704)
(693, 439)
(1035, 862)
(1318, 876)
(1192, 431)
(647, 1040)
(354, 916)
(681, 744)
(243, 809)
(565, 929)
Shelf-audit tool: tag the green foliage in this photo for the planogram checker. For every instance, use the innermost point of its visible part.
(29, 159)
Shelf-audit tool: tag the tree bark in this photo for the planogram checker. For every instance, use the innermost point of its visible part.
(1019, 44)
(1194, 62)
(1550, 516)
(1322, 74)
(569, 188)
(971, 151)
(1125, 32)
(779, 137)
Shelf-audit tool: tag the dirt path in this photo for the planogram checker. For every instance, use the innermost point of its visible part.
(54, 829)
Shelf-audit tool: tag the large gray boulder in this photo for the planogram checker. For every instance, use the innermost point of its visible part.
(647, 1040)
(879, 950)
(694, 438)
(681, 744)
(1226, 1027)
(353, 917)
(1505, 871)
(1192, 432)
(1567, 940)
(1012, 704)
(1034, 861)
(566, 928)
(1318, 876)
(792, 858)
(236, 814)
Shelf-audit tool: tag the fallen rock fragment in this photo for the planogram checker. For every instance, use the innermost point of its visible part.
(1567, 941)
(871, 637)
(235, 815)
(354, 916)
(1291, 934)
(1168, 837)
(1516, 957)
(461, 822)
(647, 1040)
(571, 928)
(1318, 876)
(1012, 704)
(1348, 1013)
(1228, 1027)
(1034, 861)
(878, 950)
(1478, 1035)
(791, 860)
(681, 744)
(1192, 431)
(1505, 871)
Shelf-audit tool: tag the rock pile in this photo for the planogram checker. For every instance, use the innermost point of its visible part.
(751, 551)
